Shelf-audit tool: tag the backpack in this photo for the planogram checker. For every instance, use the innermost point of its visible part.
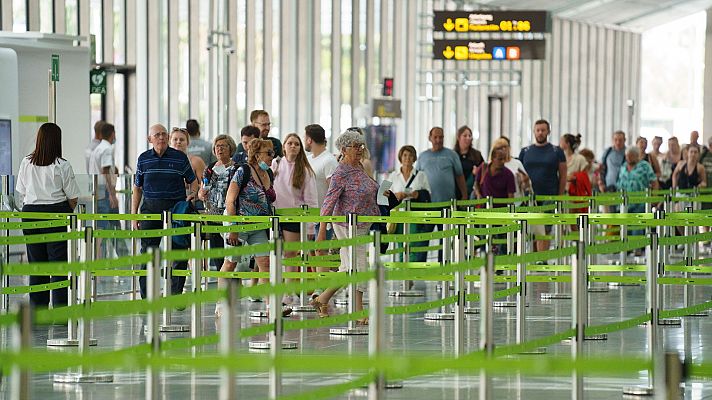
(181, 207)
(246, 175)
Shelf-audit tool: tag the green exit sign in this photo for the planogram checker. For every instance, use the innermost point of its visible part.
(55, 67)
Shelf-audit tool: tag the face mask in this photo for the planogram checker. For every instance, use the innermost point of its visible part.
(263, 165)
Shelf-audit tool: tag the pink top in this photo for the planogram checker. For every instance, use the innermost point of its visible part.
(287, 195)
(351, 191)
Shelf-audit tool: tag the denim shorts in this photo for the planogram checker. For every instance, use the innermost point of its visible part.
(248, 238)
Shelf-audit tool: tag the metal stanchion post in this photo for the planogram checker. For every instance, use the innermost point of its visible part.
(522, 282)
(579, 278)
(558, 293)
(275, 300)
(445, 313)
(660, 289)
(624, 231)
(303, 302)
(167, 243)
(376, 317)
(5, 300)
(84, 330)
(667, 231)
(460, 291)
(486, 321)
(405, 290)
(674, 375)
(651, 303)
(20, 378)
(351, 328)
(510, 250)
(228, 330)
(196, 315)
(153, 335)
(689, 290)
(593, 258)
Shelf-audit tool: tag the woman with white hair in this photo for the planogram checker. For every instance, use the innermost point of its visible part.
(351, 190)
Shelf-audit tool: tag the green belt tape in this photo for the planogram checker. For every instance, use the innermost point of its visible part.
(549, 268)
(34, 225)
(310, 263)
(616, 326)
(35, 288)
(418, 237)
(424, 249)
(617, 279)
(178, 255)
(683, 268)
(235, 228)
(510, 200)
(221, 218)
(8, 319)
(675, 240)
(543, 237)
(119, 217)
(533, 344)
(297, 212)
(562, 198)
(397, 250)
(234, 274)
(684, 281)
(418, 214)
(411, 265)
(681, 312)
(536, 209)
(146, 233)
(471, 203)
(493, 230)
(327, 244)
(540, 278)
(64, 268)
(617, 268)
(43, 238)
(413, 308)
(126, 273)
(326, 257)
(617, 247)
(442, 204)
(548, 254)
(33, 215)
(104, 309)
(496, 295)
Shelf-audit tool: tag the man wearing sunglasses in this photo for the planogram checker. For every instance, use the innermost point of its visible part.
(260, 119)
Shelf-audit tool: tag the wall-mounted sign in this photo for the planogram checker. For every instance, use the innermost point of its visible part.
(386, 108)
(55, 68)
(485, 50)
(491, 21)
(97, 81)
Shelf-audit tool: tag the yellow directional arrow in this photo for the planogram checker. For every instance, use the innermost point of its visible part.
(449, 25)
(448, 52)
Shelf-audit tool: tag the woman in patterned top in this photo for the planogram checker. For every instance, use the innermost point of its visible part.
(351, 191)
(253, 198)
(213, 190)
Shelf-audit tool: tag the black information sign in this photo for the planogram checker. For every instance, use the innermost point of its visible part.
(498, 50)
(491, 21)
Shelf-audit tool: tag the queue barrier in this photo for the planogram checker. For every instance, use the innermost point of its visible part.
(277, 289)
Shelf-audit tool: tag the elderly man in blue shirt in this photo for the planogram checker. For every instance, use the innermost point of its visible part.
(162, 175)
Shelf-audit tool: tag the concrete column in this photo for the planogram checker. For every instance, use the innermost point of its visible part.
(707, 103)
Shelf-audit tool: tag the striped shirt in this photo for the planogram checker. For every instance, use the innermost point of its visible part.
(164, 177)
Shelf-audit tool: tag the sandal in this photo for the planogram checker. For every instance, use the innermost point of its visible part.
(321, 308)
(362, 321)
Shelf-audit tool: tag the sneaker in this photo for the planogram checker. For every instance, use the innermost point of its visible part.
(255, 299)
(540, 263)
(286, 310)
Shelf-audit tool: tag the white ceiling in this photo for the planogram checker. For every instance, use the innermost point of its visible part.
(637, 15)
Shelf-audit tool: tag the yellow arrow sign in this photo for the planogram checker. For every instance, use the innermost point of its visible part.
(448, 52)
(449, 25)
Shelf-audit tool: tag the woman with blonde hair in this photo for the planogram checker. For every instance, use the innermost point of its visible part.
(294, 185)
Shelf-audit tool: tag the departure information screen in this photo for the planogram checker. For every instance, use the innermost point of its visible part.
(491, 21)
(488, 50)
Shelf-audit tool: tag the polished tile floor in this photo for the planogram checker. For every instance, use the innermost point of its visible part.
(405, 333)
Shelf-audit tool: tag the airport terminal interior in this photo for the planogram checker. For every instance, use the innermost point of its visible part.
(346, 199)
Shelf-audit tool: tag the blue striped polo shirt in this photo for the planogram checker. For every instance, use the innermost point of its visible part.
(163, 178)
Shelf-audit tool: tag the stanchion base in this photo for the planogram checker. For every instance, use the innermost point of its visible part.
(670, 322)
(502, 304)
(440, 316)
(406, 293)
(357, 330)
(73, 377)
(266, 345)
(601, 336)
(258, 314)
(619, 284)
(699, 314)
(174, 328)
(472, 310)
(537, 351)
(556, 296)
(68, 342)
(303, 309)
(638, 391)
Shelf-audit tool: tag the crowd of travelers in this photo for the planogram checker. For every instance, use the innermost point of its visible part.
(183, 173)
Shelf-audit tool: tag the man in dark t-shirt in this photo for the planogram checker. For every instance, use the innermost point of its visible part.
(546, 166)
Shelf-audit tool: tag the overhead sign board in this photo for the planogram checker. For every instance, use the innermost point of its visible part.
(485, 50)
(386, 108)
(491, 21)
